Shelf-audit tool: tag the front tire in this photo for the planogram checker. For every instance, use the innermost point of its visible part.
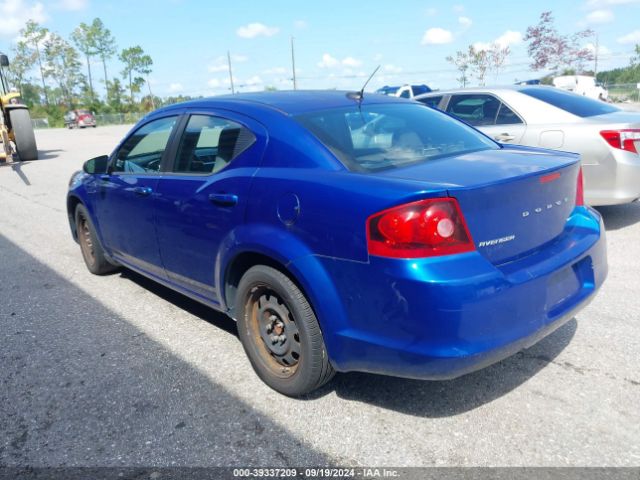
(280, 333)
(25, 139)
(92, 251)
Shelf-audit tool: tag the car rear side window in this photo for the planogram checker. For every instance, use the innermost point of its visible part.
(506, 116)
(476, 110)
(384, 136)
(570, 102)
(142, 151)
(209, 143)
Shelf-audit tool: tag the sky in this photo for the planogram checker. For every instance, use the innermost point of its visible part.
(337, 44)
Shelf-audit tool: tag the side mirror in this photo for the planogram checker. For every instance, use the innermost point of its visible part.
(4, 60)
(96, 165)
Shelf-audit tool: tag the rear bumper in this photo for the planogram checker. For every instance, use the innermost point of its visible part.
(443, 317)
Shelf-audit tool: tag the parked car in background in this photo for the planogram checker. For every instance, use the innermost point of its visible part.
(404, 91)
(79, 119)
(607, 138)
(582, 85)
(345, 233)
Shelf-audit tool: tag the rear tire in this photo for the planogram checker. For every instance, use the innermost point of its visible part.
(25, 139)
(92, 251)
(280, 333)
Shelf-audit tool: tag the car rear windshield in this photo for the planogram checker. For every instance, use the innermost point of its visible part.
(570, 102)
(377, 137)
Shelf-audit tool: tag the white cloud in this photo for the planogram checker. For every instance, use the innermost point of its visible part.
(73, 5)
(390, 68)
(15, 13)
(351, 62)
(508, 38)
(458, 8)
(608, 3)
(253, 30)
(255, 80)
(599, 16)
(252, 84)
(218, 68)
(176, 87)
(437, 36)
(328, 61)
(602, 50)
(275, 71)
(220, 84)
(431, 12)
(377, 57)
(221, 64)
(465, 21)
(632, 37)
(300, 24)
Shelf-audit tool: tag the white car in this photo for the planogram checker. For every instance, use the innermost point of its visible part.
(607, 138)
(404, 91)
(582, 85)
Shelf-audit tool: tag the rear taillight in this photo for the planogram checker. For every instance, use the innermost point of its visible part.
(623, 139)
(426, 228)
(580, 190)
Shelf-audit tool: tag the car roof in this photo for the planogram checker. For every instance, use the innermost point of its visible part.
(496, 89)
(289, 102)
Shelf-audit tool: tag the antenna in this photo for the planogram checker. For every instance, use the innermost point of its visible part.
(230, 73)
(361, 93)
(293, 65)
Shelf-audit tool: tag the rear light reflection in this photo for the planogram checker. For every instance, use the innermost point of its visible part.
(426, 228)
(580, 190)
(622, 139)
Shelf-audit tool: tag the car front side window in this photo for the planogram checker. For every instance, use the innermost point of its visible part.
(142, 151)
(210, 143)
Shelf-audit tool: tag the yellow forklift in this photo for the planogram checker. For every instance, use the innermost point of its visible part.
(16, 128)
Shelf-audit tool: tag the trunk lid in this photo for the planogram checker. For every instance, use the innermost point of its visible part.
(514, 200)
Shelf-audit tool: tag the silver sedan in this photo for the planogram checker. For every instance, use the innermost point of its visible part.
(607, 138)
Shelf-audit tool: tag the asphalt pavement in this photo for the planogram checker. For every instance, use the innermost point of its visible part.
(119, 371)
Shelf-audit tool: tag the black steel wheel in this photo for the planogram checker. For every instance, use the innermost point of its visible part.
(280, 332)
(92, 251)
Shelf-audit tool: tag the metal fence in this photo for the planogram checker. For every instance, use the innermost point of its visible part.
(102, 119)
(623, 92)
(40, 122)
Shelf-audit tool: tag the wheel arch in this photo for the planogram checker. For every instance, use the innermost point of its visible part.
(302, 267)
(72, 203)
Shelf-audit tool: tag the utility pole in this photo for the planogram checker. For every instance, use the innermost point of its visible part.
(153, 102)
(595, 67)
(230, 73)
(293, 65)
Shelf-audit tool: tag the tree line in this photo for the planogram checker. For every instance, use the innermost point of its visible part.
(548, 49)
(47, 71)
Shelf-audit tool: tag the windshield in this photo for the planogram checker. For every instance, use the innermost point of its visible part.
(378, 137)
(570, 102)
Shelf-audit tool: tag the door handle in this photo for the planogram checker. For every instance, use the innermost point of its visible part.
(504, 137)
(223, 199)
(142, 191)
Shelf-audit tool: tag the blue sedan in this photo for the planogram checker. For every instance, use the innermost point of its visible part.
(346, 232)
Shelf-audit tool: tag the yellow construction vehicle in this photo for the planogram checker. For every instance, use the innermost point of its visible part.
(16, 128)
